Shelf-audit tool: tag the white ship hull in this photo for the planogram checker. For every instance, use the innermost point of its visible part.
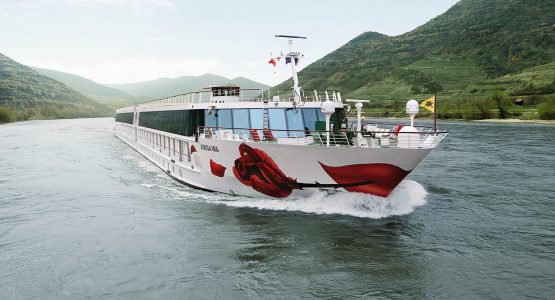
(275, 170)
(237, 141)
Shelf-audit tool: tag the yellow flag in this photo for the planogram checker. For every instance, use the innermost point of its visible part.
(429, 103)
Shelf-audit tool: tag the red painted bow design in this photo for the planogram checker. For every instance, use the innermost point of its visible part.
(256, 169)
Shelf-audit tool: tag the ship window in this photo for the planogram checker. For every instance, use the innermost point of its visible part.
(295, 122)
(224, 118)
(277, 121)
(210, 119)
(310, 117)
(196, 119)
(125, 118)
(241, 119)
(182, 122)
(256, 116)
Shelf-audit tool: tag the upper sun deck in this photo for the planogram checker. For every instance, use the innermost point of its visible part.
(234, 96)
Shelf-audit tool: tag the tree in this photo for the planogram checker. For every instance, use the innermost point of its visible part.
(502, 103)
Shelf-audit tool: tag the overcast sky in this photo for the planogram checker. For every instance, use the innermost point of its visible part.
(118, 41)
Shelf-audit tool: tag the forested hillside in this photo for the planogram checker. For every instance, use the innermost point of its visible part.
(29, 95)
(478, 49)
(83, 85)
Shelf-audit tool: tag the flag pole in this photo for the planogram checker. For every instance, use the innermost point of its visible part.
(435, 112)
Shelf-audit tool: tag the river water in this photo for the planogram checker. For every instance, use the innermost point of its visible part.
(82, 215)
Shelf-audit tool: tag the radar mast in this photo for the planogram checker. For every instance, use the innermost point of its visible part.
(293, 58)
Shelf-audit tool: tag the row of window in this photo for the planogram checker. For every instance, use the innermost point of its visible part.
(125, 118)
(186, 122)
(278, 119)
(182, 122)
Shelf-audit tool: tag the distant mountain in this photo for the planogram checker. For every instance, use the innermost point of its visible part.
(462, 54)
(83, 85)
(164, 87)
(35, 96)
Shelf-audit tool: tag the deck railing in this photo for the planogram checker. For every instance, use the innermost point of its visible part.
(248, 95)
(374, 138)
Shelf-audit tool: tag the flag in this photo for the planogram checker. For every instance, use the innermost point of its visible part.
(272, 61)
(429, 104)
(288, 60)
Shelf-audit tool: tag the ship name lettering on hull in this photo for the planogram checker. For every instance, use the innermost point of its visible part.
(209, 148)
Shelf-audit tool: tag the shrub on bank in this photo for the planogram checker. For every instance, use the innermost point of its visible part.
(7, 115)
(546, 110)
(478, 109)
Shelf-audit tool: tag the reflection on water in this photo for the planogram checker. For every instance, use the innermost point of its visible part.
(84, 216)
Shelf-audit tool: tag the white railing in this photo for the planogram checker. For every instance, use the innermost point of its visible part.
(373, 137)
(187, 98)
(175, 147)
(376, 138)
(250, 95)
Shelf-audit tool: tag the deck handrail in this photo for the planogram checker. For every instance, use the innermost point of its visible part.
(245, 95)
(382, 137)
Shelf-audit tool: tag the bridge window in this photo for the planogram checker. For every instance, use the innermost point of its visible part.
(277, 121)
(224, 118)
(241, 119)
(210, 119)
(311, 116)
(295, 122)
(256, 116)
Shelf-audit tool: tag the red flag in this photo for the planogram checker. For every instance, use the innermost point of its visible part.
(272, 61)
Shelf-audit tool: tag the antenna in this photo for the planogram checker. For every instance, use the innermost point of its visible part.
(293, 59)
(291, 36)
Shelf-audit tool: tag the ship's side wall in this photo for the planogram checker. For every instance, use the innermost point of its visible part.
(271, 169)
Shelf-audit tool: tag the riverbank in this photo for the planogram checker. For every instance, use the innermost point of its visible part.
(516, 121)
(494, 121)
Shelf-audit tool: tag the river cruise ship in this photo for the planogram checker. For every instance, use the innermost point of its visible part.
(230, 139)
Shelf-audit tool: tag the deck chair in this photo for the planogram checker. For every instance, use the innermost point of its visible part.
(254, 135)
(268, 136)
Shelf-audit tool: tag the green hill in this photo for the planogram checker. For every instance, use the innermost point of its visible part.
(34, 96)
(83, 85)
(476, 48)
(164, 87)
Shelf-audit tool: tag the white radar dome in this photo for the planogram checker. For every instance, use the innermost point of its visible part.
(328, 107)
(412, 107)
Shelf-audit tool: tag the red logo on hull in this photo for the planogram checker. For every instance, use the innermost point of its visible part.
(385, 177)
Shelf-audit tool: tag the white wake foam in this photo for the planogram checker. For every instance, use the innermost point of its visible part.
(403, 200)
